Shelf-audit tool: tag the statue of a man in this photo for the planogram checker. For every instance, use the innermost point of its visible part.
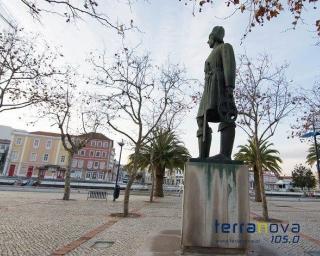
(217, 102)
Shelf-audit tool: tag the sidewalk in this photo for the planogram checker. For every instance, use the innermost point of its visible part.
(41, 224)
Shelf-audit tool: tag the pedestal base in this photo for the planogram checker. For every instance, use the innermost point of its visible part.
(215, 207)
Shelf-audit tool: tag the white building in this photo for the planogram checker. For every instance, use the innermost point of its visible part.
(284, 183)
(270, 180)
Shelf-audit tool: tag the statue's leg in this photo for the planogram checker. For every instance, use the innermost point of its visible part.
(204, 142)
(227, 138)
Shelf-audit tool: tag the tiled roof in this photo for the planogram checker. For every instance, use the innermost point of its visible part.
(46, 133)
(96, 136)
(93, 135)
(285, 177)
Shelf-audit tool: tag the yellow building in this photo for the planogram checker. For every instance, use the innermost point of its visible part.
(36, 154)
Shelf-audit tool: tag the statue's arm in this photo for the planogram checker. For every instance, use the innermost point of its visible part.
(229, 65)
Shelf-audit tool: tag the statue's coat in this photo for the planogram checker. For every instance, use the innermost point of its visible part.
(220, 72)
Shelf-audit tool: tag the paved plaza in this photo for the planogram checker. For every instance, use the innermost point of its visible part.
(39, 223)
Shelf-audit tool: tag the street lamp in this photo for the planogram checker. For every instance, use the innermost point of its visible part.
(116, 190)
(316, 148)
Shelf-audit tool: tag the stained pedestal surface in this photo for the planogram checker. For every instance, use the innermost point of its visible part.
(215, 194)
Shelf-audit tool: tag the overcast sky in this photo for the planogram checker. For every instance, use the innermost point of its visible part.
(168, 29)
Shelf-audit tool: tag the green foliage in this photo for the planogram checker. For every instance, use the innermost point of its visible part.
(163, 150)
(269, 157)
(303, 177)
(311, 157)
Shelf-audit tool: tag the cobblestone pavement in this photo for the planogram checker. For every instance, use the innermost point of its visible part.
(304, 212)
(41, 224)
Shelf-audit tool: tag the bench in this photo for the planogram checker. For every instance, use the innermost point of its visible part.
(97, 195)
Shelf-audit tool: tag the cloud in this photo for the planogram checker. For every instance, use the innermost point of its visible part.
(169, 29)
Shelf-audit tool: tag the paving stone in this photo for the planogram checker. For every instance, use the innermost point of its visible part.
(38, 224)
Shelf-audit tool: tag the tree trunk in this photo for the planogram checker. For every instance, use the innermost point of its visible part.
(265, 215)
(159, 182)
(66, 194)
(152, 186)
(127, 195)
(258, 165)
(257, 196)
(130, 181)
(263, 197)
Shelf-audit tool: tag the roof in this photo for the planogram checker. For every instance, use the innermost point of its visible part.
(96, 136)
(285, 177)
(4, 141)
(46, 133)
(285, 182)
(92, 135)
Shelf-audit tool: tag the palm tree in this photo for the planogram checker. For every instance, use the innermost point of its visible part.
(269, 159)
(164, 151)
(312, 156)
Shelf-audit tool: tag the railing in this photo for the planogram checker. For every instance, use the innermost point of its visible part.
(97, 195)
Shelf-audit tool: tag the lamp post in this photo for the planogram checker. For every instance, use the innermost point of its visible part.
(116, 190)
(316, 149)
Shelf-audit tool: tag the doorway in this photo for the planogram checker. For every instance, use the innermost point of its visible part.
(29, 172)
(11, 170)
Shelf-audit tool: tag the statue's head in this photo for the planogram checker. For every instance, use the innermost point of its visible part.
(216, 35)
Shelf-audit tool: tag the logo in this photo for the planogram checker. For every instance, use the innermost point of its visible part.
(279, 231)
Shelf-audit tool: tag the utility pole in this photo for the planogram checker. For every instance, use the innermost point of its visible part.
(116, 191)
(316, 148)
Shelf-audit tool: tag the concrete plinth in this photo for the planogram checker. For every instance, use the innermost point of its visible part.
(215, 206)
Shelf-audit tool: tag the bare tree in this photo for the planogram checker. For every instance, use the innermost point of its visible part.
(309, 121)
(258, 12)
(263, 99)
(77, 126)
(310, 112)
(76, 10)
(263, 11)
(136, 97)
(26, 76)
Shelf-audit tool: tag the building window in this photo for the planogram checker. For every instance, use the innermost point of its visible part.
(104, 154)
(18, 141)
(98, 153)
(14, 156)
(110, 166)
(99, 144)
(91, 175)
(62, 159)
(102, 165)
(93, 143)
(105, 144)
(101, 176)
(48, 144)
(89, 165)
(74, 163)
(36, 143)
(33, 157)
(88, 175)
(82, 153)
(45, 157)
(80, 163)
(96, 165)
(91, 153)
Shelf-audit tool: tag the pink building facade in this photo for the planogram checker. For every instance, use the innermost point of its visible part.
(96, 160)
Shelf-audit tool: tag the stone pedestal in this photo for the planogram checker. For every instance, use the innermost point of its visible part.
(215, 207)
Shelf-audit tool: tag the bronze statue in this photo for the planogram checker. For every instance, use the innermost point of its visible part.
(217, 102)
